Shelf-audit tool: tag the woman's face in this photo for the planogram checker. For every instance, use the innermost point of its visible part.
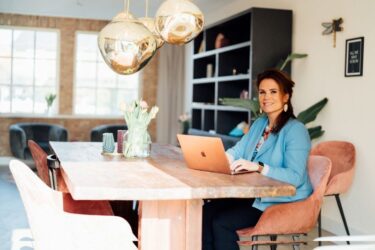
(271, 98)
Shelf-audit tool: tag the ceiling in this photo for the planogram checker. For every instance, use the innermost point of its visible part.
(92, 9)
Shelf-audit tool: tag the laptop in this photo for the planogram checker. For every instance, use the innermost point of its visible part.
(205, 154)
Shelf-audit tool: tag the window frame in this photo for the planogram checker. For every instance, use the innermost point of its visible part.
(77, 32)
(57, 77)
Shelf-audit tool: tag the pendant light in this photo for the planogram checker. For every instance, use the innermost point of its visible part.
(179, 21)
(150, 25)
(125, 44)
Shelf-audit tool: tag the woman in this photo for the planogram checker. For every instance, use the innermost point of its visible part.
(276, 146)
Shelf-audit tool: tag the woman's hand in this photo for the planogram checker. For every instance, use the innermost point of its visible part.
(244, 165)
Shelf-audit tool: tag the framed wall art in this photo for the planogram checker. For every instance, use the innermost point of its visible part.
(354, 57)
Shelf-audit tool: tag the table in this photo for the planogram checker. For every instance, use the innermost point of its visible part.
(170, 194)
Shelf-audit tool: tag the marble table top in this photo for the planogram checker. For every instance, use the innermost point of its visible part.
(162, 176)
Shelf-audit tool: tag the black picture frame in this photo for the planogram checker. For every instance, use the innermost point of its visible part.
(354, 57)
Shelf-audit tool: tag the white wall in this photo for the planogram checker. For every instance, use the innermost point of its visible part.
(350, 113)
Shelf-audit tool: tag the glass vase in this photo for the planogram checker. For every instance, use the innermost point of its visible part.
(137, 142)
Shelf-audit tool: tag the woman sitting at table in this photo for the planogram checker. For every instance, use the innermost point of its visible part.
(276, 146)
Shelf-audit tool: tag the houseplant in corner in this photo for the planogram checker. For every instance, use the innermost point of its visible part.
(305, 116)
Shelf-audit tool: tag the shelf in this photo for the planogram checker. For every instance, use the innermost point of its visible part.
(222, 78)
(217, 107)
(222, 50)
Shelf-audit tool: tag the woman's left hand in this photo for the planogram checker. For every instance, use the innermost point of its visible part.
(242, 164)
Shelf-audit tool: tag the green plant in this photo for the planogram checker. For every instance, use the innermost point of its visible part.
(49, 99)
(305, 116)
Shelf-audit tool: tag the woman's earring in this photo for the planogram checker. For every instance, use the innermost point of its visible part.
(260, 111)
(285, 107)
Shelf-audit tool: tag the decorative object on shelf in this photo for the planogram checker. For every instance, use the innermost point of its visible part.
(125, 44)
(333, 27)
(244, 94)
(120, 139)
(221, 41)
(179, 21)
(354, 56)
(108, 145)
(49, 100)
(201, 47)
(240, 129)
(184, 119)
(209, 70)
(137, 141)
(234, 72)
(150, 25)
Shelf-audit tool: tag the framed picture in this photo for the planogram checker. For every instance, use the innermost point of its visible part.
(354, 57)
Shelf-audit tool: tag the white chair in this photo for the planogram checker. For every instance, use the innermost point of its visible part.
(52, 228)
(368, 239)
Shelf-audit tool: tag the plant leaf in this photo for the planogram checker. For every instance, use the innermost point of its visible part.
(315, 132)
(252, 105)
(310, 113)
(290, 58)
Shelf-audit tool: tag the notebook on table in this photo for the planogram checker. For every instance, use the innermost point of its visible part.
(206, 154)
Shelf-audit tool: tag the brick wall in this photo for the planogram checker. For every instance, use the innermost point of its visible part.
(78, 128)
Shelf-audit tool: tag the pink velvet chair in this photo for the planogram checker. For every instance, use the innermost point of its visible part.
(70, 205)
(293, 218)
(342, 155)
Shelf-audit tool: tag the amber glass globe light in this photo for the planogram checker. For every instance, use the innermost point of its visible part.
(150, 25)
(126, 45)
(179, 21)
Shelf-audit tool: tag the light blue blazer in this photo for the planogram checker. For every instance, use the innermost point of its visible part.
(285, 153)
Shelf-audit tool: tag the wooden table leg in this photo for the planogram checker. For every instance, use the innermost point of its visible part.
(170, 225)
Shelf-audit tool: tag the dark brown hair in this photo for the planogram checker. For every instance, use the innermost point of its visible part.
(286, 86)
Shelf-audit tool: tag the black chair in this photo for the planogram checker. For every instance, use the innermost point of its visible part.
(41, 133)
(228, 141)
(97, 132)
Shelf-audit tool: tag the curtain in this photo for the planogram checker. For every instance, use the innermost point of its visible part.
(170, 92)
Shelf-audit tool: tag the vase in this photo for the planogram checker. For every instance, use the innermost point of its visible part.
(137, 142)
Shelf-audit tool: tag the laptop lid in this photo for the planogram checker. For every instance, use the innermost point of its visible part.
(204, 153)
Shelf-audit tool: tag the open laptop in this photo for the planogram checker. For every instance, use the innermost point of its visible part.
(205, 153)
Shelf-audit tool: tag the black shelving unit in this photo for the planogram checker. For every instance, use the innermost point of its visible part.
(255, 40)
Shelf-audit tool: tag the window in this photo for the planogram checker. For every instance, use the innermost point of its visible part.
(28, 69)
(99, 90)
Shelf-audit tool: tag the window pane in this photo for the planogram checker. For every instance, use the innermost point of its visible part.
(84, 101)
(46, 44)
(5, 70)
(106, 104)
(4, 99)
(23, 71)
(86, 74)
(106, 77)
(87, 47)
(22, 99)
(40, 104)
(45, 72)
(129, 81)
(23, 43)
(126, 96)
(5, 42)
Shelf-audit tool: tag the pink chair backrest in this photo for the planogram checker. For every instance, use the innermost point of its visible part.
(319, 168)
(342, 155)
(40, 159)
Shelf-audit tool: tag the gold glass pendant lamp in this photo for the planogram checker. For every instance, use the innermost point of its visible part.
(125, 44)
(150, 25)
(179, 21)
